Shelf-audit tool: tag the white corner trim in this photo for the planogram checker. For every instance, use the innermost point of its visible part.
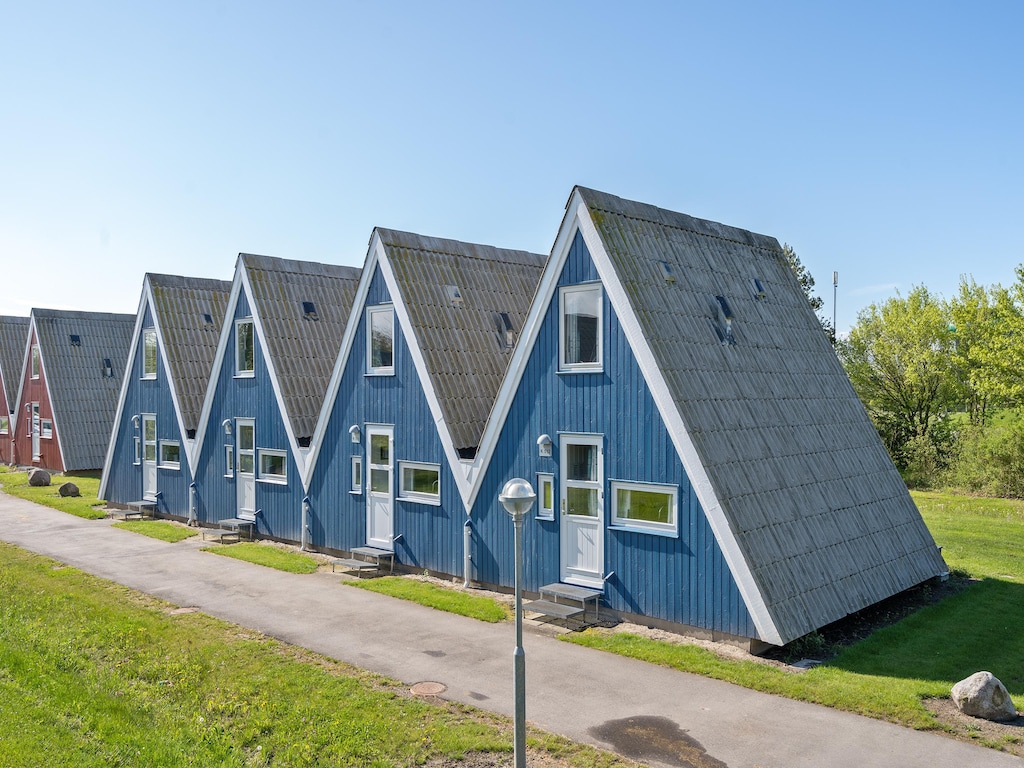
(692, 464)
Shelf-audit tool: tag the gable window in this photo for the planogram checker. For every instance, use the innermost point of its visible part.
(245, 347)
(357, 475)
(580, 328)
(46, 428)
(170, 454)
(545, 496)
(645, 507)
(419, 482)
(380, 327)
(149, 353)
(36, 361)
(273, 465)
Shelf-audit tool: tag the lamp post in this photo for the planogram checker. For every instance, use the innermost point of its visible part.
(517, 497)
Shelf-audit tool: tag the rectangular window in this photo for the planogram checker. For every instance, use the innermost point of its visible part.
(149, 353)
(580, 348)
(5, 425)
(357, 475)
(419, 482)
(36, 361)
(170, 454)
(138, 450)
(273, 465)
(545, 496)
(46, 428)
(380, 325)
(645, 507)
(229, 461)
(245, 347)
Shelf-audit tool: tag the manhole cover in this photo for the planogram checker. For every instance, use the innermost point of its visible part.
(429, 688)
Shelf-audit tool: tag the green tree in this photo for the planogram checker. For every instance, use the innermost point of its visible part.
(971, 314)
(1000, 369)
(806, 280)
(898, 357)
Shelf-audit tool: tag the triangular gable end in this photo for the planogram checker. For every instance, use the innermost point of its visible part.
(26, 373)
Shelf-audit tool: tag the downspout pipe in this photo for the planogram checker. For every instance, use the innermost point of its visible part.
(467, 553)
(304, 544)
(193, 518)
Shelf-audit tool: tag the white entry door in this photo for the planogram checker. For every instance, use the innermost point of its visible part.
(35, 432)
(582, 502)
(149, 456)
(379, 499)
(245, 477)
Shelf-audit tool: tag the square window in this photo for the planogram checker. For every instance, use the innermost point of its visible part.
(273, 465)
(645, 507)
(580, 321)
(46, 428)
(5, 425)
(419, 482)
(380, 325)
(149, 353)
(545, 496)
(245, 347)
(170, 454)
(357, 474)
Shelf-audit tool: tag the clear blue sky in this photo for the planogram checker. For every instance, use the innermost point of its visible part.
(882, 140)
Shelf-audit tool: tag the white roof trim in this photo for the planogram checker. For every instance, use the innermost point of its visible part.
(33, 333)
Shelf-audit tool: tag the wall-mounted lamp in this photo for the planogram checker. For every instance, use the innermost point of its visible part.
(227, 427)
(135, 421)
(355, 433)
(544, 446)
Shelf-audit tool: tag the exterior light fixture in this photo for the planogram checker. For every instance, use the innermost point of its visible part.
(355, 433)
(227, 427)
(544, 446)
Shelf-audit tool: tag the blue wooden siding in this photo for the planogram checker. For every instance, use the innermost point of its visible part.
(124, 479)
(431, 536)
(252, 398)
(681, 579)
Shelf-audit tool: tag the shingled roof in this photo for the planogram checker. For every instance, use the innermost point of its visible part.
(75, 347)
(817, 510)
(466, 304)
(189, 315)
(302, 347)
(13, 335)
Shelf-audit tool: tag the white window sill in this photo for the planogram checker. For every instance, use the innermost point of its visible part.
(355, 493)
(416, 500)
(172, 467)
(381, 372)
(273, 480)
(671, 533)
(245, 375)
(569, 371)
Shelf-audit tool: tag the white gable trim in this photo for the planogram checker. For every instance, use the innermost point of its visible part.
(676, 426)
(33, 333)
(172, 383)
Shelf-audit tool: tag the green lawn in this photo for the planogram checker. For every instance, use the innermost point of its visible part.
(16, 484)
(268, 555)
(434, 596)
(158, 529)
(95, 675)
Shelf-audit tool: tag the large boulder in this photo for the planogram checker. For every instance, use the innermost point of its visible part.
(983, 695)
(38, 477)
(69, 489)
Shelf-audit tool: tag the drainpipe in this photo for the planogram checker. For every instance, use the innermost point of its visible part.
(304, 544)
(467, 553)
(193, 518)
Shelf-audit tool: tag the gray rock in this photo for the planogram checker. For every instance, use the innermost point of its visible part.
(38, 477)
(983, 695)
(69, 489)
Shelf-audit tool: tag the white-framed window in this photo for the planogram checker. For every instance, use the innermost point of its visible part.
(545, 496)
(149, 437)
(273, 465)
(357, 475)
(170, 454)
(648, 507)
(46, 428)
(138, 450)
(37, 363)
(245, 347)
(149, 353)
(580, 328)
(229, 461)
(5, 424)
(419, 482)
(380, 341)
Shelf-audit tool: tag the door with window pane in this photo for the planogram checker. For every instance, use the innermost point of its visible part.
(149, 456)
(245, 475)
(582, 510)
(379, 499)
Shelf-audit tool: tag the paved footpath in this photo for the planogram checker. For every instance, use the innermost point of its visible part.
(586, 695)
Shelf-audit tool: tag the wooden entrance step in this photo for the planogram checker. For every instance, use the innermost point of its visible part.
(566, 601)
(366, 559)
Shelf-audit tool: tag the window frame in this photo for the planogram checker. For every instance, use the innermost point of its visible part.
(617, 522)
(356, 488)
(147, 334)
(138, 450)
(46, 429)
(564, 366)
(240, 372)
(546, 513)
(371, 312)
(272, 477)
(5, 424)
(162, 462)
(229, 460)
(418, 496)
(36, 363)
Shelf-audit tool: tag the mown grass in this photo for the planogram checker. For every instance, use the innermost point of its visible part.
(888, 674)
(157, 529)
(434, 596)
(16, 484)
(267, 555)
(94, 674)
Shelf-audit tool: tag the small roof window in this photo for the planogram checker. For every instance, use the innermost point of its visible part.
(758, 289)
(76, 340)
(108, 369)
(309, 310)
(666, 271)
(454, 295)
(506, 333)
(208, 319)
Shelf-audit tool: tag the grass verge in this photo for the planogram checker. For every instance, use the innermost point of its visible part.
(268, 555)
(16, 484)
(435, 596)
(157, 529)
(94, 674)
